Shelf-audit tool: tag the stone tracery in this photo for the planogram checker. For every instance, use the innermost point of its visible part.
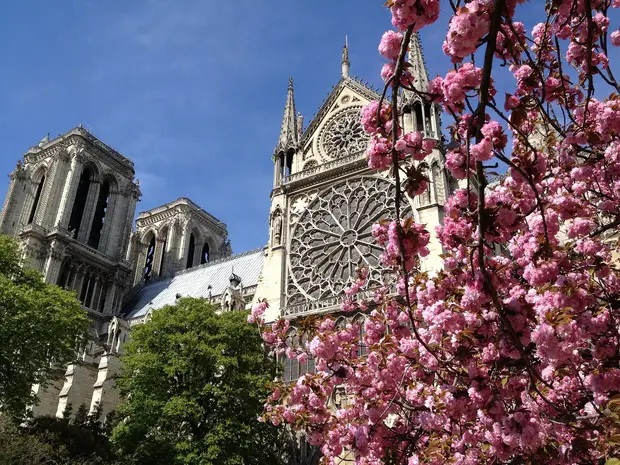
(343, 134)
(333, 235)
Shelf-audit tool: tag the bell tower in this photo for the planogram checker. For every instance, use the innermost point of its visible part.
(71, 202)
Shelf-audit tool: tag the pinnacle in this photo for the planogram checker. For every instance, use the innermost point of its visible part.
(289, 130)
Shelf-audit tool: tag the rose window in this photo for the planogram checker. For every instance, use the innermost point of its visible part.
(344, 134)
(333, 236)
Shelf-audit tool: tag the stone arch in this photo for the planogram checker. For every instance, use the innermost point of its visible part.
(162, 237)
(89, 176)
(104, 211)
(38, 180)
(310, 164)
(291, 365)
(341, 322)
(194, 248)
(208, 250)
(149, 239)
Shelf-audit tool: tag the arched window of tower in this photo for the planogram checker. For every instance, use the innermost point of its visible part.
(204, 256)
(79, 204)
(191, 250)
(150, 255)
(63, 276)
(37, 198)
(100, 214)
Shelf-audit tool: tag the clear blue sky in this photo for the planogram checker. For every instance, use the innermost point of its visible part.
(191, 90)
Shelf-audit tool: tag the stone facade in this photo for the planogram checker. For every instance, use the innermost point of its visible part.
(325, 198)
(174, 237)
(71, 202)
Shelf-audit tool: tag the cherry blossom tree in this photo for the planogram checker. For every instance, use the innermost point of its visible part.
(511, 353)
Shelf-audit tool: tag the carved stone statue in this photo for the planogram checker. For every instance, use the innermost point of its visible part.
(276, 228)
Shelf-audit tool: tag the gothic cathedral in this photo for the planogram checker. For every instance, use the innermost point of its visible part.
(72, 200)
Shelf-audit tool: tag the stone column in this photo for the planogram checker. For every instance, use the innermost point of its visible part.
(157, 257)
(13, 202)
(61, 173)
(9, 202)
(277, 171)
(68, 192)
(115, 215)
(29, 194)
(434, 127)
(110, 298)
(130, 212)
(425, 131)
(53, 262)
(42, 208)
(89, 211)
(183, 245)
(101, 294)
(169, 256)
(140, 261)
(198, 252)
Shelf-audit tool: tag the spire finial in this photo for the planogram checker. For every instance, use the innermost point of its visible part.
(346, 65)
(288, 131)
(416, 59)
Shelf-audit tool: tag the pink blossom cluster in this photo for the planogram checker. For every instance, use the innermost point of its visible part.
(415, 145)
(509, 353)
(416, 13)
(467, 28)
(413, 238)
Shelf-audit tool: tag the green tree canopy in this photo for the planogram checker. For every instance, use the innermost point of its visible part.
(195, 384)
(40, 327)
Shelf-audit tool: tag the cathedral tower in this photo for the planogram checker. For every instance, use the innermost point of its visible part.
(325, 199)
(174, 237)
(71, 203)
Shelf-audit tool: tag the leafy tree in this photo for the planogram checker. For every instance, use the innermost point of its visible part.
(510, 354)
(41, 325)
(195, 382)
(79, 437)
(51, 441)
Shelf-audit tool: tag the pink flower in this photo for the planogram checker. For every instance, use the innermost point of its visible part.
(390, 44)
(466, 29)
(615, 38)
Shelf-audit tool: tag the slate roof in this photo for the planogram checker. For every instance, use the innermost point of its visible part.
(195, 281)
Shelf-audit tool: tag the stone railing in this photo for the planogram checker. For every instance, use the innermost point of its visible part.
(322, 168)
(329, 305)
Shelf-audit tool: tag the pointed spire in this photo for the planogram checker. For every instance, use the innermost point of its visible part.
(416, 59)
(346, 65)
(288, 131)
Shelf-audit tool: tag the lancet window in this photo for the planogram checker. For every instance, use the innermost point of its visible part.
(79, 204)
(37, 198)
(101, 211)
(204, 256)
(150, 255)
(190, 251)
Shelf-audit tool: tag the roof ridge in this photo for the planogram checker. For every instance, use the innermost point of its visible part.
(219, 260)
